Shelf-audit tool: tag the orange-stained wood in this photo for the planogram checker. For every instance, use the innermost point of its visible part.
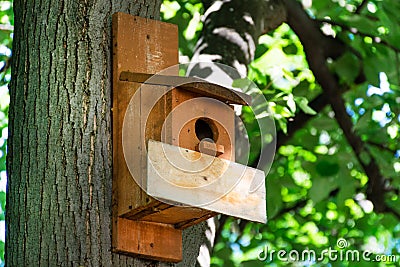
(139, 45)
(188, 107)
(210, 148)
(149, 240)
(145, 46)
(192, 84)
(142, 46)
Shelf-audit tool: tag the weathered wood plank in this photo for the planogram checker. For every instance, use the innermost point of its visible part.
(122, 174)
(139, 45)
(150, 240)
(199, 180)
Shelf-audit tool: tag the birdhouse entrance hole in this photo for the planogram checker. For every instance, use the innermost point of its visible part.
(205, 129)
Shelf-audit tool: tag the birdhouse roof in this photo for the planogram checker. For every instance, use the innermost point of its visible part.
(192, 84)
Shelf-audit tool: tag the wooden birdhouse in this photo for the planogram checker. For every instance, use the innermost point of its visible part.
(173, 145)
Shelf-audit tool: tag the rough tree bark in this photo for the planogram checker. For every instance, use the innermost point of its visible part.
(231, 30)
(59, 156)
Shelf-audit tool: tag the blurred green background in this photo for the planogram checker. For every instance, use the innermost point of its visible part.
(316, 189)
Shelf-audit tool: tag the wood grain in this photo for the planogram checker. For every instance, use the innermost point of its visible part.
(150, 240)
(207, 182)
(192, 84)
(139, 45)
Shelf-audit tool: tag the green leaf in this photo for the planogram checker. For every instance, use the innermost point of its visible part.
(290, 49)
(321, 188)
(229, 263)
(363, 24)
(327, 168)
(365, 157)
(302, 102)
(379, 60)
(3, 200)
(241, 83)
(347, 67)
(274, 202)
(2, 245)
(291, 103)
(364, 121)
(252, 263)
(261, 49)
(283, 126)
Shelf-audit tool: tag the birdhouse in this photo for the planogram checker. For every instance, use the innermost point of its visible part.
(173, 146)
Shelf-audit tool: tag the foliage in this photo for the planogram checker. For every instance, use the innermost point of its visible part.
(316, 189)
(186, 15)
(6, 29)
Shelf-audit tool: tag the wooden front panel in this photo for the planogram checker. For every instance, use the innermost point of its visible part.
(148, 46)
(188, 107)
(139, 45)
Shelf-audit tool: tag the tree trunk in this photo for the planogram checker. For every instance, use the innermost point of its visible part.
(231, 30)
(59, 156)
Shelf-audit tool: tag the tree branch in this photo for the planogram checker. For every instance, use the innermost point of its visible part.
(231, 30)
(361, 6)
(358, 32)
(308, 34)
(393, 211)
(381, 146)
